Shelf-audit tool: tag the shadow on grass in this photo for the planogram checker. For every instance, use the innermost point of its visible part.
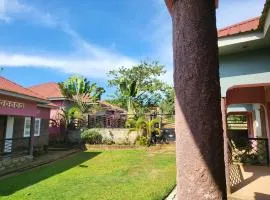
(12, 184)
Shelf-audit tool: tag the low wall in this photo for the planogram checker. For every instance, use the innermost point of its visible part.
(118, 135)
(12, 163)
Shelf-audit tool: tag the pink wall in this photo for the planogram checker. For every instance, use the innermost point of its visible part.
(43, 113)
(30, 107)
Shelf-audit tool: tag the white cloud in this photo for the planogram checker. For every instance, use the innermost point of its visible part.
(90, 60)
(92, 67)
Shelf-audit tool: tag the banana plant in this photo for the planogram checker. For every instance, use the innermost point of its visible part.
(130, 91)
(84, 94)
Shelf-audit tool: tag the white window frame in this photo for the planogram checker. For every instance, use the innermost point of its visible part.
(37, 132)
(26, 131)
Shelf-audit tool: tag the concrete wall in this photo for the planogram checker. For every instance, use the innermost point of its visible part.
(118, 135)
(244, 68)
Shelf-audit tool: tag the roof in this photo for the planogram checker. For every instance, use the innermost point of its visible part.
(245, 26)
(250, 25)
(9, 86)
(107, 105)
(49, 90)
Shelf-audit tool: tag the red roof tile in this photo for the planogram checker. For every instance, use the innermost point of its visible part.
(245, 26)
(49, 90)
(10, 86)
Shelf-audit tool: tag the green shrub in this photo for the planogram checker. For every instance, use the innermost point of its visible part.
(91, 136)
(143, 141)
(108, 141)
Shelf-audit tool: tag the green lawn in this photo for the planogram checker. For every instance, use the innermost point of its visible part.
(117, 174)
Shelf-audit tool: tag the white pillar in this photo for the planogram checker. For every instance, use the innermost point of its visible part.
(9, 134)
(257, 120)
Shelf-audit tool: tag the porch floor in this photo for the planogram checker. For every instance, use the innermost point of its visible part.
(250, 182)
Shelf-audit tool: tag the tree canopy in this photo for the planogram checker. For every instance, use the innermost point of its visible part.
(144, 83)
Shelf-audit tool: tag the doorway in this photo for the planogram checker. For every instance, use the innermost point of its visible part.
(3, 122)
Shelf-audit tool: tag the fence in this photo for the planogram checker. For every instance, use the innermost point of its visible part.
(164, 122)
(14, 147)
(250, 150)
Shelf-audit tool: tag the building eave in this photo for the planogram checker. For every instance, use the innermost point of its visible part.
(22, 96)
(47, 106)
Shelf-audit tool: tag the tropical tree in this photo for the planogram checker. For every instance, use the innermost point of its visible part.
(129, 91)
(201, 175)
(83, 94)
(141, 83)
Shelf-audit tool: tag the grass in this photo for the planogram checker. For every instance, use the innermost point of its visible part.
(118, 174)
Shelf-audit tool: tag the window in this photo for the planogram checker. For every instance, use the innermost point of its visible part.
(37, 127)
(27, 126)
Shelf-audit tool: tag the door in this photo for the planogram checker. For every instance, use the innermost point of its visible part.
(9, 134)
(2, 131)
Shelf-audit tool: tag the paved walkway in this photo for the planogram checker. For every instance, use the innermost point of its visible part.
(51, 156)
(172, 196)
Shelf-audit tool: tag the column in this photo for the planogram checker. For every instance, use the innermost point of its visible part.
(31, 140)
(226, 147)
(257, 120)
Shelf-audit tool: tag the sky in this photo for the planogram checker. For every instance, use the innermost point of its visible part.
(47, 41)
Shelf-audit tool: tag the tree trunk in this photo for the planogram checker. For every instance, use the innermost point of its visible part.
(199, 138)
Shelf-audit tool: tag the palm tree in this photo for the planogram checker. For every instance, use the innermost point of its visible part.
(198, 121)
(145, 127)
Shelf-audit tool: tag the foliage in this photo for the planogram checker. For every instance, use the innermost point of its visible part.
(129, 90)
(108, 141)
(106, 171)
(145, 128)
(84, 94)
(143, 141)
(68, 114)
(139, 84)
(167, 105)
(91, 136)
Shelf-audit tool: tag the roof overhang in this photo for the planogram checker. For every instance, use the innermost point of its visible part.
(255, 39)
(22, 96)
(243, 42)
(47, 106)
(169, 4)
(58, 98)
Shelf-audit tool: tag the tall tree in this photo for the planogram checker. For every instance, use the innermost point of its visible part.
(199, 135)
(146, 78)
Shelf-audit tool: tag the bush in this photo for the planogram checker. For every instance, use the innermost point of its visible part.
(108, 141)
(143, 141)
(91, 136)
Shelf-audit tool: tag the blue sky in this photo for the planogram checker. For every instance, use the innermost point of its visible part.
(44, 41)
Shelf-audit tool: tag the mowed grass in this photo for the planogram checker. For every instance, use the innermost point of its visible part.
(116, 174)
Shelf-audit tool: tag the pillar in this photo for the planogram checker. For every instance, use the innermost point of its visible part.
(257, 120)
(226, 147)
(31, 139)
